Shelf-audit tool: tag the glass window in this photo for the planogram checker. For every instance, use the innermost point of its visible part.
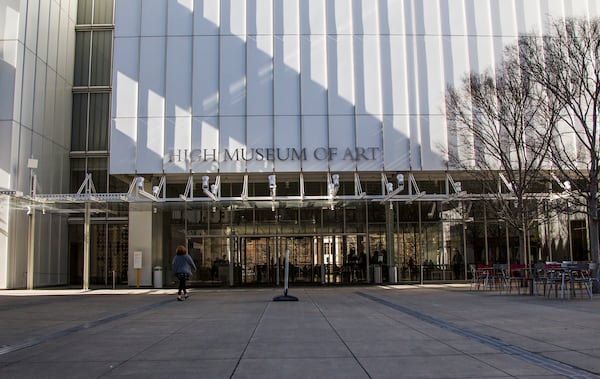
(82, 58)
(77, 173)
(99, 122)
(101, 58)
(98, 167)
(118, 185)
(79, 122)
(103, 11)
(84, 11)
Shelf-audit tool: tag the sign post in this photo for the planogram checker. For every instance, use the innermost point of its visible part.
(285, 296)
(137, 265)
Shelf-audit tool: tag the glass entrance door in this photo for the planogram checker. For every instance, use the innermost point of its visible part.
(262, 259)
(257, 260)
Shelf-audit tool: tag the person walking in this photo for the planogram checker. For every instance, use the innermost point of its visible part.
(183, 264)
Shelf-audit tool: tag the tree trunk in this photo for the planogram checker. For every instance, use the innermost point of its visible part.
(594, 244)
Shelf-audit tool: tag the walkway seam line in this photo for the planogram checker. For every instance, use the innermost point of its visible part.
(87, 325)
(262, 315)
(537, 359)
(340, 337)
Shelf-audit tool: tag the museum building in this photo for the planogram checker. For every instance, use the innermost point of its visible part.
(252, 132)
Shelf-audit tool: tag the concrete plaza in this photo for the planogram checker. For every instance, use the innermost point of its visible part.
(443, 331)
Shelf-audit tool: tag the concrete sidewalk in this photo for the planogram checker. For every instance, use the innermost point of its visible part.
(343, 332)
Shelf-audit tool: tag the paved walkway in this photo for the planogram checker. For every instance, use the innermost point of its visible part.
(346, 332)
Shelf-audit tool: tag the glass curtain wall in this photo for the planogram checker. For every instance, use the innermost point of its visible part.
(90, 144)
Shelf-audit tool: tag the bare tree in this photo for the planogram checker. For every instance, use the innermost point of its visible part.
(503, 126)
(567, 64)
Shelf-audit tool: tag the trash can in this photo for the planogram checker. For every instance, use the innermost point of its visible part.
(377, 274)
(158, 277)
(393, 275)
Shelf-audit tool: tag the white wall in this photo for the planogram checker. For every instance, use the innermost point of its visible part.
(37, 39)
(364, 79)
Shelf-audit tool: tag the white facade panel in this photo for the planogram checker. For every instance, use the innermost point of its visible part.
(574, 8)
(414, 132)
(40, 91)
(205, 75)
(24, 144)
(286, 17)
(153, 21)
(177, 138)
(395, 85)
(287, 134)
(8, 70)
(233, 17)
(18, 88)
(232, 91)
(396, 143)
(150, 144)
(152, 77)
(316, 142)
(481, 17)
(178, 87)
(4, 240)
(123, 145)
(260, 136)
(205, 144)
(550, 9)
(483, 53)
(254, 68)
(232, 144)
(43, 30)
(260, 17)
(70, 61)
(73, 9)
(125, 77)
(433, 141)
(286, 74)
(66, 116)
(504, 21)
(369, 146)
(180, 17)
(432, 73)
(28, 89)
(63, 44)
(6, 130)
(594, 8)
(339, 17)
(53, 35)
(259, 73)
(10, 17)
(342, 136)
(48, 126)
(367, 15)
(62, 97)
(127, 17)
(340, 75)
(31, 33)
(371, 75)
(34, 114)
(454, 17)
(312, 17)
(206, 17)
(313, 90)
(529, 16)
(429, 12)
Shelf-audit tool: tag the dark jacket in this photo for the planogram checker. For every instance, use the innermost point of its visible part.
(183, 264)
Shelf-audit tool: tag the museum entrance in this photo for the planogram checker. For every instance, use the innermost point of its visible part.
(260, 259)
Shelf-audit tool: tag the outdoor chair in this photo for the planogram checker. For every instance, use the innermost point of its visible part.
(580, 278)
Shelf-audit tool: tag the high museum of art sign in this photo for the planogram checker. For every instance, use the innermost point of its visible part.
(274, 154)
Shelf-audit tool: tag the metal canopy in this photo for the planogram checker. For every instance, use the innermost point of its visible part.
(87, 198)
